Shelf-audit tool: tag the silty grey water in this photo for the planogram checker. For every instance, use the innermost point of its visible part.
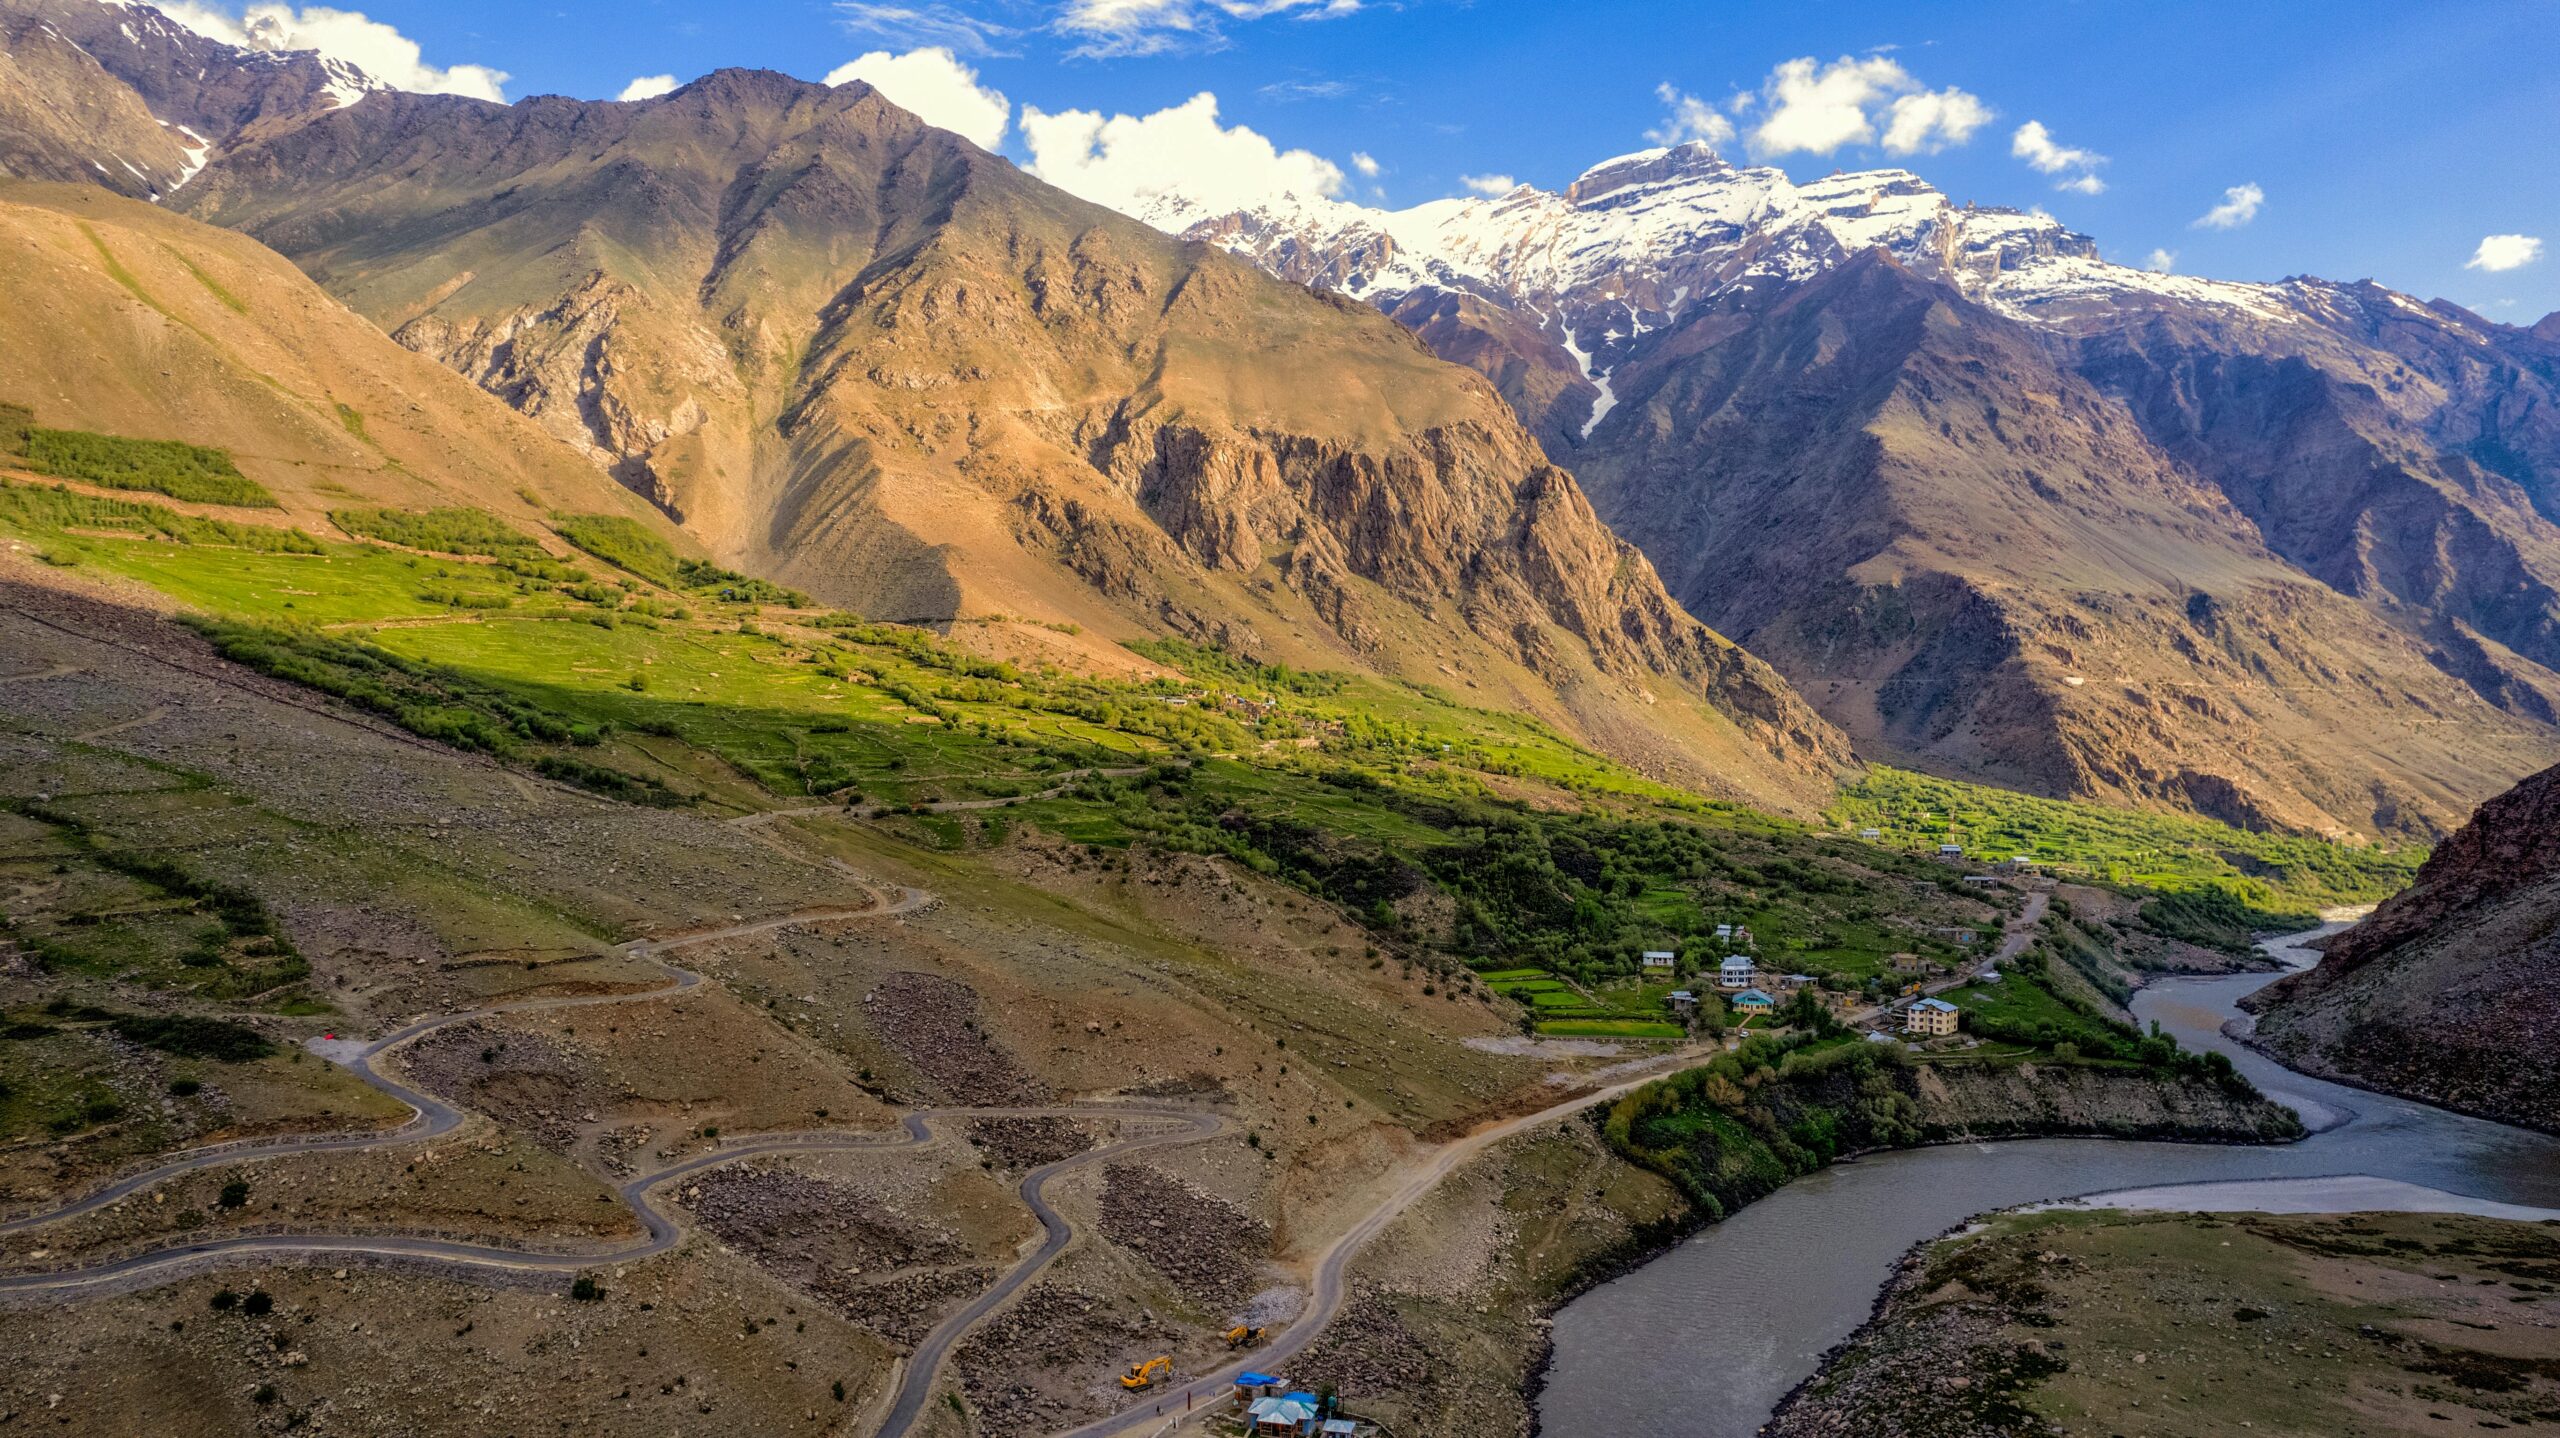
(1703, 1341)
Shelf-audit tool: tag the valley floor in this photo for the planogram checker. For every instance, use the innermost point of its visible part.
(878, 1170)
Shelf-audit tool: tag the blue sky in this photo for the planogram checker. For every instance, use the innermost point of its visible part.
(2387, 140)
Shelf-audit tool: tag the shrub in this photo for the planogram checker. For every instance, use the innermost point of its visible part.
(624, 543)
(612, 783)
(191, 1037)
(258, 1304)
(586, 1290)
(446, 531)
(55, 507)
(163, 466)
(235, 1194)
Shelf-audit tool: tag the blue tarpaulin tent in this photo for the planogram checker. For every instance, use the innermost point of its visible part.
(1256, 1380)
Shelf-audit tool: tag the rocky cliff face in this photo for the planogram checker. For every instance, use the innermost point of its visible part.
(2450, 992)
(854, 351)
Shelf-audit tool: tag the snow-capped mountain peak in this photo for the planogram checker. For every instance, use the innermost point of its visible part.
(1647, 234)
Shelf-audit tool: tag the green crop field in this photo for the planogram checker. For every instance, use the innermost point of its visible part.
(2284, 878)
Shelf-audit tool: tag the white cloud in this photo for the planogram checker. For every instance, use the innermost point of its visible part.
(1289, 90)
(1152, 27)
(2161, 262)
(1931, 120)
(1686, 117)
(2035, 144)
(1489, 185)
(1815, 109)
(924, 26)
(1366, 163)
(2504, 252)
(2239, 206)
(935, 87)
(647, 87)
(379, 50)
(1135, 163)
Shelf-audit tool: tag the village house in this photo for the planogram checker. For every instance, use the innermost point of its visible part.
(1290, 1416)
(1792, 982)
(1683, 1002)
(1751, 1003)
(1909, 964)
(1959, 937)
(1934, 1017)
(1724, 931)
(1660, 963)
(1735, 973)
(1983, 881)
(1871, 835)
(1951, 851)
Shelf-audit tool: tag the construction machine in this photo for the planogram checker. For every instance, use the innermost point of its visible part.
(1242, 1337)
(1147, 1374)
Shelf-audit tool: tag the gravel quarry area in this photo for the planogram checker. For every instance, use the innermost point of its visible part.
(1206, 1247)
(933, 1023)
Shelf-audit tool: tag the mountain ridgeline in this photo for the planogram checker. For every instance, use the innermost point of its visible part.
(858, 354)
(2283, 554)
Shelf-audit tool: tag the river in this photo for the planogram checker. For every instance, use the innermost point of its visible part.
(1703, 1341)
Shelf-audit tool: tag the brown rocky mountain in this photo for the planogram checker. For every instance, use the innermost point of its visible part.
(2284, 554)
(1966, 551)
(2449, 992)
(63, 118)
(859, 354)
(117, 316)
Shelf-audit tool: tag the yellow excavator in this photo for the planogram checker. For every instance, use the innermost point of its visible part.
(1147, 1374)
(1243, 1337)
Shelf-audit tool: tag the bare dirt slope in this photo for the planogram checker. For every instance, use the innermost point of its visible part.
(118, 316)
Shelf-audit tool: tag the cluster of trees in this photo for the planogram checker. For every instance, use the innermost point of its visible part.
(446, 531)
(190, 472)
(1747, 1122)
(58, 508)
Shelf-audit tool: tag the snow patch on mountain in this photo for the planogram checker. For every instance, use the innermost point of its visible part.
(1657, 230)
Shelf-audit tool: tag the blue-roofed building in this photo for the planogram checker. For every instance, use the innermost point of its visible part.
(1935, 1017)
(1753, 1001)
(1289, 1416)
